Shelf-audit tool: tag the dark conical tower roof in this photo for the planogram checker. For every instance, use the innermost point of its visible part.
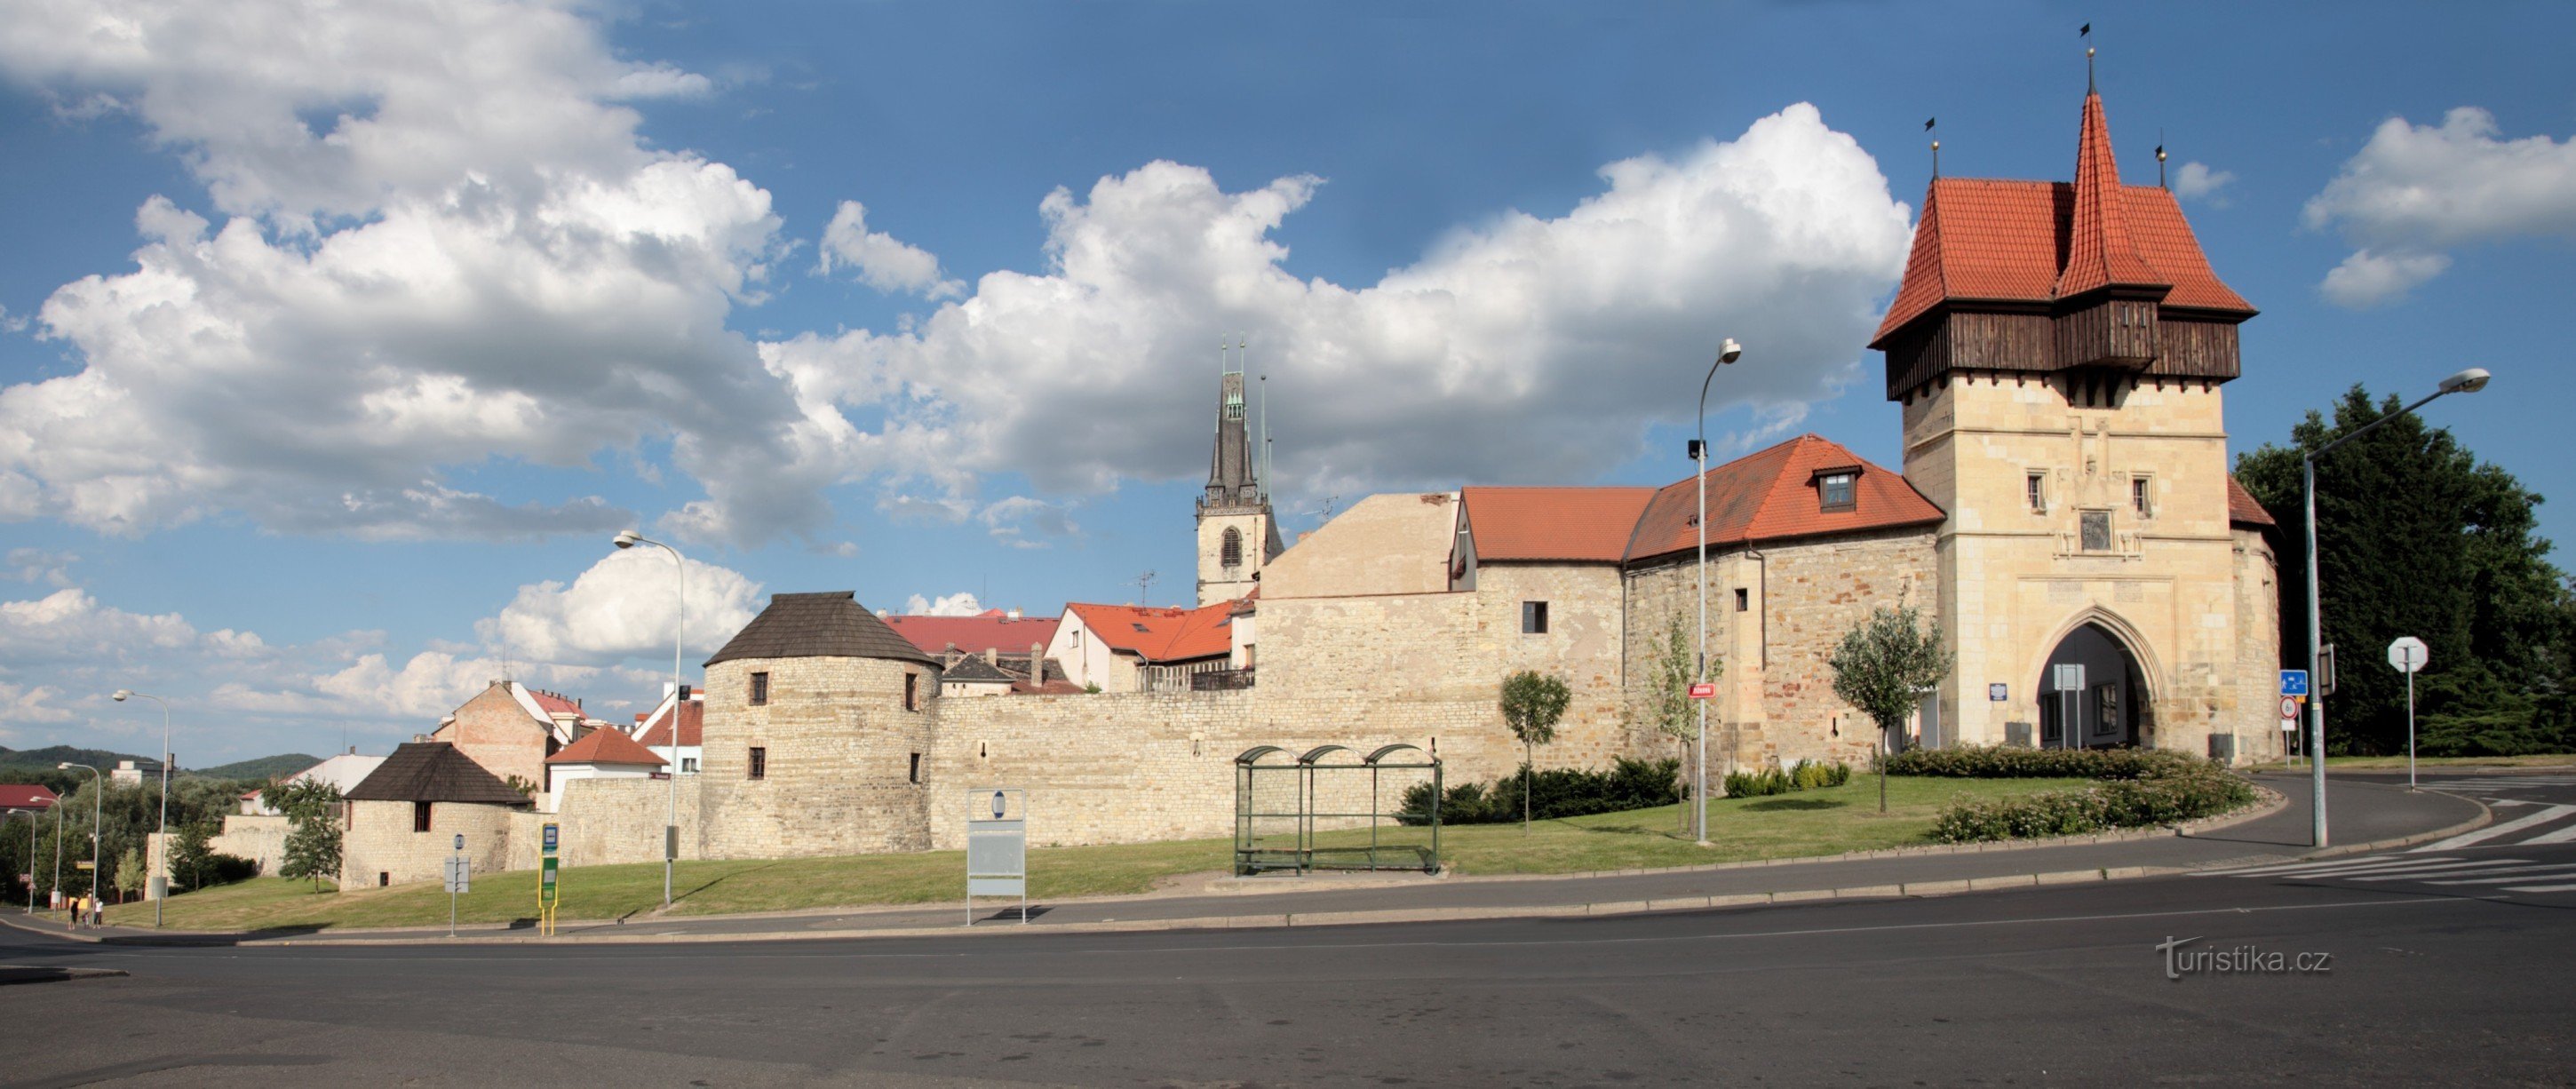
(831, 624)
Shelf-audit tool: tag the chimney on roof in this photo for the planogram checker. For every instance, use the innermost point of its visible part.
(1037, 664)
(499, 681)
(419, 737)
(992, 656)
(1014, 614)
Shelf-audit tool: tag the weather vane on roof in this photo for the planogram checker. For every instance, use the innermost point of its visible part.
(1928, 122)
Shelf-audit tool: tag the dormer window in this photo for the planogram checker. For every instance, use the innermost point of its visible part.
(1838, 488)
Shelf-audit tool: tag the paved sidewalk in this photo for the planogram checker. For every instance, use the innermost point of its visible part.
(2365, 814)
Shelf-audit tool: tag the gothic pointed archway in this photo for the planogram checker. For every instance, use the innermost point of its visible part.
(2114, 706)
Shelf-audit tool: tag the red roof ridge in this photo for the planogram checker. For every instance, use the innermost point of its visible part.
(606, 747)
(2100, 253)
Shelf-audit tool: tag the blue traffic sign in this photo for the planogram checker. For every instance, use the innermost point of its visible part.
(2294, 682)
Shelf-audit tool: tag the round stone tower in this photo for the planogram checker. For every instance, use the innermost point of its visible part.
(819, 724)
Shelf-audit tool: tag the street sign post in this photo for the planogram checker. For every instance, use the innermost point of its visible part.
(546, 881)
(2409, 654)
(997, 847)
(457, 882)
(2070, 680)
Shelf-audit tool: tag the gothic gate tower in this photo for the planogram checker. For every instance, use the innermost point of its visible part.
(2060, 350)
(1237, 535)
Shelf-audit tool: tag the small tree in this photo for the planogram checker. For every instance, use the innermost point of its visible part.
(192, 856)
(313, 830)
(1669, 712)
(129, 874)
(1882, 668)
(1532, 702)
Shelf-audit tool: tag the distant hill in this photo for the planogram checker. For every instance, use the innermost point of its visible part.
(266, 767)
(46, 759)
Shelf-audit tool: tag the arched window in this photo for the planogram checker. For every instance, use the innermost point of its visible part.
(1231, 554)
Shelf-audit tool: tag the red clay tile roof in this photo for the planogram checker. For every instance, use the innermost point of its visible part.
(1990, 240)
(555, 704)
(2243, 509)
(26, 796)
(1161, 635)
(693, 718)
(1582, 524)
(606, 747)
(1771, 495)
(989, 630)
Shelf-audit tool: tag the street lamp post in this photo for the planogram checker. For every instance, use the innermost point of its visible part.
(671, 824)
(2467, 381)
(163, 892)
(97, 821)
(35, 824)
(1728, 351)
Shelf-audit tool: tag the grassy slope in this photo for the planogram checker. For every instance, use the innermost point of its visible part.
(1807, 823)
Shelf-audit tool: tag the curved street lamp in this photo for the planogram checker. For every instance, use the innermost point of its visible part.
(97, 821)
(1728, 351)
(2467, 381)
(163, 891)
(671, 826)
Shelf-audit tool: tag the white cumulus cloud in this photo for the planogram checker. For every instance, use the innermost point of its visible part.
(961, 603)
(2196, 181)
(2416, 191)
(880, 260)
(1524, 348)
(625, 606)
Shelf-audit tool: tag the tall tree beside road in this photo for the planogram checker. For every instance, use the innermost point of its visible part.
(2417, 537)
(1882, 667)
(313, 829)
(1532, 702)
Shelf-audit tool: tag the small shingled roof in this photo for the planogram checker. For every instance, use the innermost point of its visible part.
(973, 669)
(2245, 510)
(607, 747)
(831, 624)
(433, 771)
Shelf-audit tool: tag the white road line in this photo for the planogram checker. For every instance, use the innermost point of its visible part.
(2541, 888)
(2544, 816)
(2336, 869)
(2540, 873)
(2562, 835)
(2501, 865)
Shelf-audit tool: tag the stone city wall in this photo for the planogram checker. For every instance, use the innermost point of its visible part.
(839, 756)
(379, 846)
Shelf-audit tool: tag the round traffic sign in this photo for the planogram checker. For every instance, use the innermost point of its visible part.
(2289, 708)
(2408, 654)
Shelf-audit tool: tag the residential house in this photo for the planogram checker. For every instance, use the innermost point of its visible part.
(653, 731)
(1128, 648)
(600, 754)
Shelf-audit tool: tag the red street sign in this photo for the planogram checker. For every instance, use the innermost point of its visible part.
(1703, 691)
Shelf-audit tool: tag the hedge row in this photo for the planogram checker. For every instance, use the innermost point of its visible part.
(1803, 775)
(2187, 788)
(1560, 792)
(2020, 762)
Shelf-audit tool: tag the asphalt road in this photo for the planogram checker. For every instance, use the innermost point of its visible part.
(2405, 982)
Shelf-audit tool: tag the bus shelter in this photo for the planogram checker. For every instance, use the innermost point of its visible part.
(1328, 810)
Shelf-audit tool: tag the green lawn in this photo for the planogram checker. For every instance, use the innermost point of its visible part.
(1801, 824)
(2398, 762)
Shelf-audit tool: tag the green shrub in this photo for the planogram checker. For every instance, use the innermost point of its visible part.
(1558, 792)
(2017, 762)
(2169, 790)
(1803, 775)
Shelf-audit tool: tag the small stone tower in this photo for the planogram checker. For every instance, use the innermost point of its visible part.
(1237, 535)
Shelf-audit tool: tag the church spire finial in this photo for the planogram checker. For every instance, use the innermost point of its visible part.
(2086, 32)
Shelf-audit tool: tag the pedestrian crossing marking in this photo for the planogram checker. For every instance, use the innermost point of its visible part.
(2542, 888)
(2543, 816)
(2415, 873)
(2353, 866)
(2502, 782)
(2561, 835)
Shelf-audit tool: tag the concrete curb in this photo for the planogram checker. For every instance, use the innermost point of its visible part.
(2485, 817)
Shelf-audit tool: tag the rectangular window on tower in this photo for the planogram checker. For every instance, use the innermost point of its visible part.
(1533, 618)
(1743, 599)
(2142, 496)
(2037, 491)
(759, 689)
(912, 691)
(759, 763)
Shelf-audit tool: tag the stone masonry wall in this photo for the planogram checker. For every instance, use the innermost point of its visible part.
(380, 841)
(839, 746)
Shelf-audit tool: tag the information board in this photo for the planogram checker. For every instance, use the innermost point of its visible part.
(997, 847)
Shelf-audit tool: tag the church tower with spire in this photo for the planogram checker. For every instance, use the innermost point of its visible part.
(2060, 350)
(1237, 535)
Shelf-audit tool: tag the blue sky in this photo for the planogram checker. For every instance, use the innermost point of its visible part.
(321, 379)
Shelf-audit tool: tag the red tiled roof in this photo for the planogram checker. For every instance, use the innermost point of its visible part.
(554, 704)
(2243, 509)
(1554, 523)
(26, 796)
(1771, 495)
(1161, 635)
(991, 629)
(693, 718)
(605, 747)
(1991, 240)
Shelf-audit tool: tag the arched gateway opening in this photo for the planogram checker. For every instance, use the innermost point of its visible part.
(2106, 707)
